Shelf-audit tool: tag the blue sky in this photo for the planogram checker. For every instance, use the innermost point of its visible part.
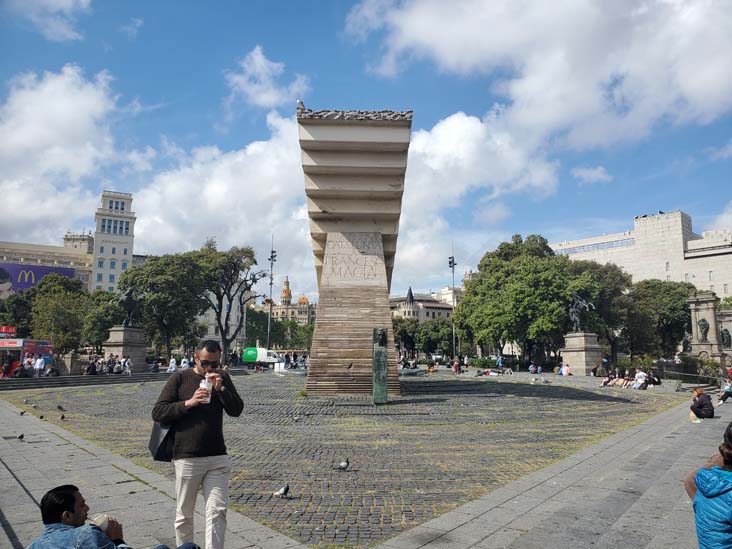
(559, 118)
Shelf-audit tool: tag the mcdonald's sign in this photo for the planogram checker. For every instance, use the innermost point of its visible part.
(26, 275)
(16, 277)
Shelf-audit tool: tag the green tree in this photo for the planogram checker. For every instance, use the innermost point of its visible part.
(172, 290)
(58, 311)
(607, 287)
(520, 293)
(302, 337)
(229, 278)
(102, 312)
(17, 310)
(434, 335)
(405, 333)
(256, 327)
(664, 302)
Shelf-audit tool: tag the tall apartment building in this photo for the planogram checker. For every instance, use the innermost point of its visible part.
(663, 246)
(113, 240)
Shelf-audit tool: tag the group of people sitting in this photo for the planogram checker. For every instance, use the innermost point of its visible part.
(113, 365)
(641, 380)
(33, 365)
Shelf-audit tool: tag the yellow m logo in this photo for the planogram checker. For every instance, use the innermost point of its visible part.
(27, 275)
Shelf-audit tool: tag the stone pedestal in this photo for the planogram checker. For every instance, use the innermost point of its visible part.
(126, 340)
(582, 352)
(703, 306)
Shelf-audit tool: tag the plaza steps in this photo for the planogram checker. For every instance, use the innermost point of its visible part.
(84, 381)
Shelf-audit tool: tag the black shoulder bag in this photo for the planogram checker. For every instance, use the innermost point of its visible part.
(162, 439)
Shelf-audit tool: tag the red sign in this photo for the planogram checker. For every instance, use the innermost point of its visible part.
(11, 343)
(8, 331)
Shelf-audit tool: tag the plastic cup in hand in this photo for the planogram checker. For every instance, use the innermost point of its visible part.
(101, 520)
(208, 386)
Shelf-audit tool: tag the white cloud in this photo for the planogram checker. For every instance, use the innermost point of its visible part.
(56, 123)
(140, 160)
(721, 153)
(724, 219)
(240, 197)
(53, 18)
(132, 29)
(587, 175)
(491, 213)
(584, 74)
(257, 82)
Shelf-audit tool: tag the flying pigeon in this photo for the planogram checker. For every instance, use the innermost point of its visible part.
(282, 492)
(22, 412)
(343, 465)
(349, 366)
(21, 436)
(60, 408)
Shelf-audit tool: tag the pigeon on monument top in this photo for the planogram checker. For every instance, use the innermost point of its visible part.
(300, 105)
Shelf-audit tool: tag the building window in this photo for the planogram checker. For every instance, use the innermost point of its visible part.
(116, 204)
(124, 265)
(99, 287)
(111, 202)
(101, 249)
(127, 227)
(668, 266)
(112, 264)
(104, 225)
(111, 278)
(114, 227)
(111, 288)
(124, 251)
(100, 264)
(99, 277)
(122, 205)
(114, 250)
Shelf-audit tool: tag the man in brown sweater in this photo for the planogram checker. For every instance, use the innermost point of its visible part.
(199, 453)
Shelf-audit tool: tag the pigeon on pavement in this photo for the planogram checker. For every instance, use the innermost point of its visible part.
(26, 401)
(343, 465)
(63, 417)
(22, 412)
(282, 492)
(60, 408)
(21, 436)
(35, 406)
(41, 417)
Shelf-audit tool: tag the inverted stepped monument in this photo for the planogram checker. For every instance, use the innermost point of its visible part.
(354, 164)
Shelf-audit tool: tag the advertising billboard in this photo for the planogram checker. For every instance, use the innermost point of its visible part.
(15, 277)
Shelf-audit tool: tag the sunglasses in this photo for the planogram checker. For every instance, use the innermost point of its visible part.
(209, 363)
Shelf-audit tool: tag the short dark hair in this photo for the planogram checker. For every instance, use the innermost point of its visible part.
(210, 345)
(728, 434)
(56, 501)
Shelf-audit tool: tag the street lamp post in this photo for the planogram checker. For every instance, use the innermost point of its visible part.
(272, 259)
(451, 263)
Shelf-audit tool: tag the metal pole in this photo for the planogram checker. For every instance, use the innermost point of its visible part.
(272, 259)
(451, 263)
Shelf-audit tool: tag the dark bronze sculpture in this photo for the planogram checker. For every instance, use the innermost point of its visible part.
(575, 308)
(726, 338)
(703, 330)
(131, 306)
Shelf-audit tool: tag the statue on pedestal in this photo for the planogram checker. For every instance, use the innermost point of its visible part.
(703, 330)
(131, 306)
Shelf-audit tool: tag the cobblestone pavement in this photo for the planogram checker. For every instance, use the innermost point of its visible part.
(412, 460)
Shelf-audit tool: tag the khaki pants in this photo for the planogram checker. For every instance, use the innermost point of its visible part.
(211, 476)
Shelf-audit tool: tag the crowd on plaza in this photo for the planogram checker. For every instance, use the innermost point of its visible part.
(112, 365)
(32, 365)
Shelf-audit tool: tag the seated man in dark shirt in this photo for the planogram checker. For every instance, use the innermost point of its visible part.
(64, 514)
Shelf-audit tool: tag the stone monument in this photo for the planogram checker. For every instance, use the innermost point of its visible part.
(354, 164)
(128, 340)
(582, 350)
(707, 339)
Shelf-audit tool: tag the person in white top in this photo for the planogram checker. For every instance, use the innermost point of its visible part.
(173, 366)
(640, 378)
(128, 366)
(38, 366)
